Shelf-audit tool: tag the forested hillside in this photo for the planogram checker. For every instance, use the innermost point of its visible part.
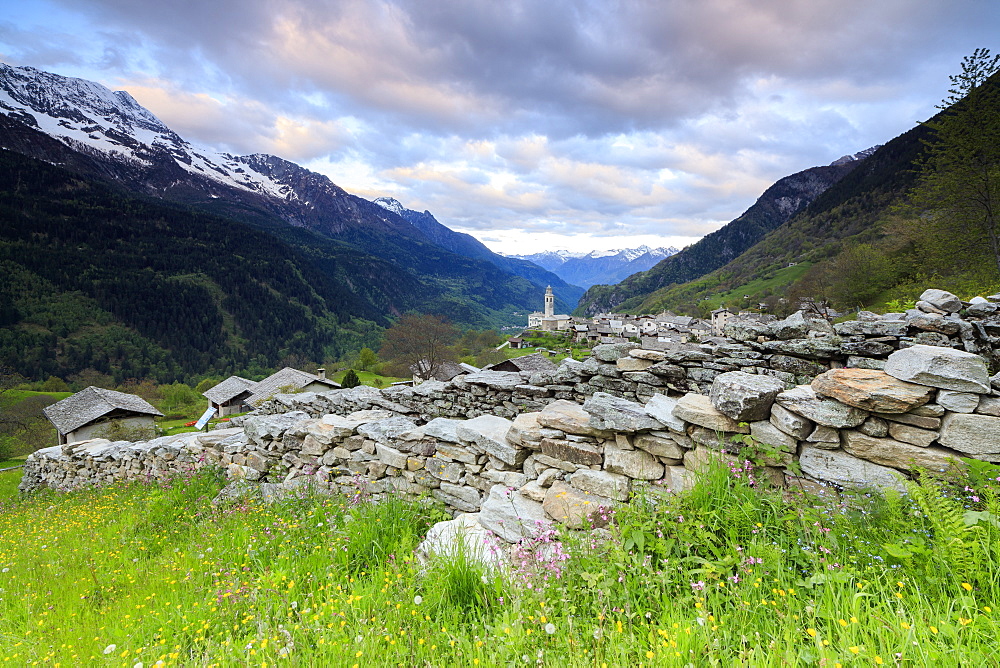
(774, 207)
(95, 279)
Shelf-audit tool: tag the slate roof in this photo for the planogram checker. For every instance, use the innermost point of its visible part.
(287, 377)
(533, 362)
(91, 404)
(228, 389)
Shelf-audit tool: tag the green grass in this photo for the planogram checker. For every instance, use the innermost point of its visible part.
(757, 288)
(11, 397)
(723, 575)
(369, 378)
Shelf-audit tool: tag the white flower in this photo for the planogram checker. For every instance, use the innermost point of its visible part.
(418, 599)
(110, 648)
(138, 665)
(550, 628)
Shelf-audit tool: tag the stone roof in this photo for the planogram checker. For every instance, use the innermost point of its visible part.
(533, 362)
(91, 404)
(287, 377)
(228, 389)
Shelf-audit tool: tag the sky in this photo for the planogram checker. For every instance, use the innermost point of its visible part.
(530, 124)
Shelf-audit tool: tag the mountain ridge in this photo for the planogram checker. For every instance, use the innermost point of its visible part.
(107, 135)
(776, 205)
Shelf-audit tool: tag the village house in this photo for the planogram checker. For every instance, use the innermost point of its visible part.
(533, 362)
(290, 380)
(229, 396)
(85, 414)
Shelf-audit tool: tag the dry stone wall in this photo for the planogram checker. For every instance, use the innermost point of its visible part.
(524, 451)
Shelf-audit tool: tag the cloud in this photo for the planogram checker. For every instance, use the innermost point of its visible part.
(600, 117)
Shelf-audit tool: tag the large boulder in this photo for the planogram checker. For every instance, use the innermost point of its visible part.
(946, 368)
(971, 433)
(871, 390)
(568, 417)
(511, 515)
(602, 483)
(791, 423)
(660, 407)
(612, 352)
(698, 409)
(387, 431)
(462, 537)
(803, 400)
(636, 464)
(745, 397)
(497, 380)
(942, 299)
(611, 413)
(575, 508)
(899, 455)
(847, 470)
(263, 428)
(489, 432)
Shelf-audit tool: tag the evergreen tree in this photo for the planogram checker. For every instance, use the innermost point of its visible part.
(350, 379)
(960, 175)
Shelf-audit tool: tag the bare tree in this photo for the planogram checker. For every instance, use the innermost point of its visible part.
(422, 340)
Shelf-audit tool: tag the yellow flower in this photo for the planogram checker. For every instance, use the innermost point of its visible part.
(811, 632)
(843, 622)
(854, 649)
(966, 586)
(934, 629)
(650, 654)
(904, 625)
(878, 659)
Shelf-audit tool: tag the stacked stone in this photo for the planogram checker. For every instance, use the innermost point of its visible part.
(100, 461)
(855, 427)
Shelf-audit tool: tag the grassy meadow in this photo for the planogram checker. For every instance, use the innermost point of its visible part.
(727, 574)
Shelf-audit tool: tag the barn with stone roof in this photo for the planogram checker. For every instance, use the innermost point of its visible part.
(80, 416)
(229, 396)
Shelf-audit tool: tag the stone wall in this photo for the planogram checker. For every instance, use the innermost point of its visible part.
(566, 461)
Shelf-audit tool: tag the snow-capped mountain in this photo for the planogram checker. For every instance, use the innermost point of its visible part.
(600, 266)
(97, 133)
(90, 118)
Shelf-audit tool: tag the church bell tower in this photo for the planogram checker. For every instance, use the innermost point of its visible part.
(550, 302)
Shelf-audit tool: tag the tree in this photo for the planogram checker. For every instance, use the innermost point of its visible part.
(367, 359)
(959, 181)
(350, 379)
(422, 340)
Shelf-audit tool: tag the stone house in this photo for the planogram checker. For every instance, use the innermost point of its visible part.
(289, 379)
(81, 416)
(229, 396)
(533, 362)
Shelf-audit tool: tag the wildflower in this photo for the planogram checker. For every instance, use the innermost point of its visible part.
(855, 649)
(418, 599)
(811, 632)
(110, 648)
(698, 586)
(550, 628)
(966, 586)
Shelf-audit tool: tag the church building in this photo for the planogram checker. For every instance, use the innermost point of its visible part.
(547, 320)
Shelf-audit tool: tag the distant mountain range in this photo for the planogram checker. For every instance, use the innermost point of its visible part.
(608, 266)
(464, 244)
